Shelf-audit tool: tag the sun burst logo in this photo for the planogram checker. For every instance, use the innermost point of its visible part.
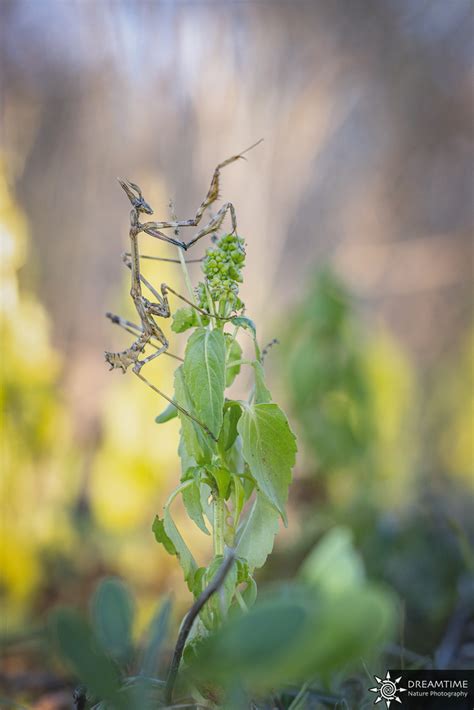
(387, 690)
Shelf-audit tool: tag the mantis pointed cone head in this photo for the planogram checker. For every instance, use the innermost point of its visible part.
(135, 196)
(127, 187)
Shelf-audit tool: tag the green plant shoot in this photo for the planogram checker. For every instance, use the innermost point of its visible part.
(236, 475)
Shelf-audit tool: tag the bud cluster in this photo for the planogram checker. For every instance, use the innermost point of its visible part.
(222, 267)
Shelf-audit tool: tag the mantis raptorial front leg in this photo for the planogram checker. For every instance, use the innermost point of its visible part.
(165, 289)
(154, 228)
(135, 330)
(149, 332)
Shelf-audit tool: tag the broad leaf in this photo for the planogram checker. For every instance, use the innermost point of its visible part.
(269, 448)
(228, 435)
(183, 319)
(78, 648)
(334, 565)
(234, 353)
(112, 613)
(204, 374)
(257, 536)
(262, 393)
(156, 636)
(197, 443)
(167, 414)
(295, 634)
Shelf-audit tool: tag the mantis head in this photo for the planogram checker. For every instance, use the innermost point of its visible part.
(135, 196)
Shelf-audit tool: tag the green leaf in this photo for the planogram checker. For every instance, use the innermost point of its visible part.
(204, 374)
(232, 412)
(167, 414)
(112, 613)
(239, 497)
(197, 443)
(186, 560)
(255, 541)
(192, 502)
(334, 566)
(234, 353)
(244, 322)
(218, 605)
(269, 448)
(161, 536)
(206, 502)
(249, 595)
(169, 536)
(183, 319)
(78, 648)
(156, 636)
(262, 393)
(295, 634)
(222, 477)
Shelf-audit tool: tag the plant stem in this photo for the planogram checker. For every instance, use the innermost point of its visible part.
(219, 520)
(189, 620)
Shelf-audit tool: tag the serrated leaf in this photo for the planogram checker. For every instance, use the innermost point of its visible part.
(192, 502)
(183, 319)
(197, 443)
(269, 448)
(156, 636)
(244, 322)
(262, 393)
(234, 353)
(204, 375)
(112, 613)
(257, 536)
(232, 412)
(167, 414)
(78, 648)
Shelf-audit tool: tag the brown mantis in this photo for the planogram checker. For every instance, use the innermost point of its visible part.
(149, 332)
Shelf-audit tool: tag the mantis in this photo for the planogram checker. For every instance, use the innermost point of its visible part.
(149, 332)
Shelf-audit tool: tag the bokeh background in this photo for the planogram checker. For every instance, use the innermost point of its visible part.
(357, 212)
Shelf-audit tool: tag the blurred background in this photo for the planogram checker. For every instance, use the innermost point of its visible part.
(357, 213)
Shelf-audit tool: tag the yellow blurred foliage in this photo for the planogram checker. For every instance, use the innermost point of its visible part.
(34, 427)
(393, 393)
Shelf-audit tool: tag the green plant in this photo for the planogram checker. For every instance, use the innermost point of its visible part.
(293, 649)
(249, 450)
(115, 673)
(236, 454)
